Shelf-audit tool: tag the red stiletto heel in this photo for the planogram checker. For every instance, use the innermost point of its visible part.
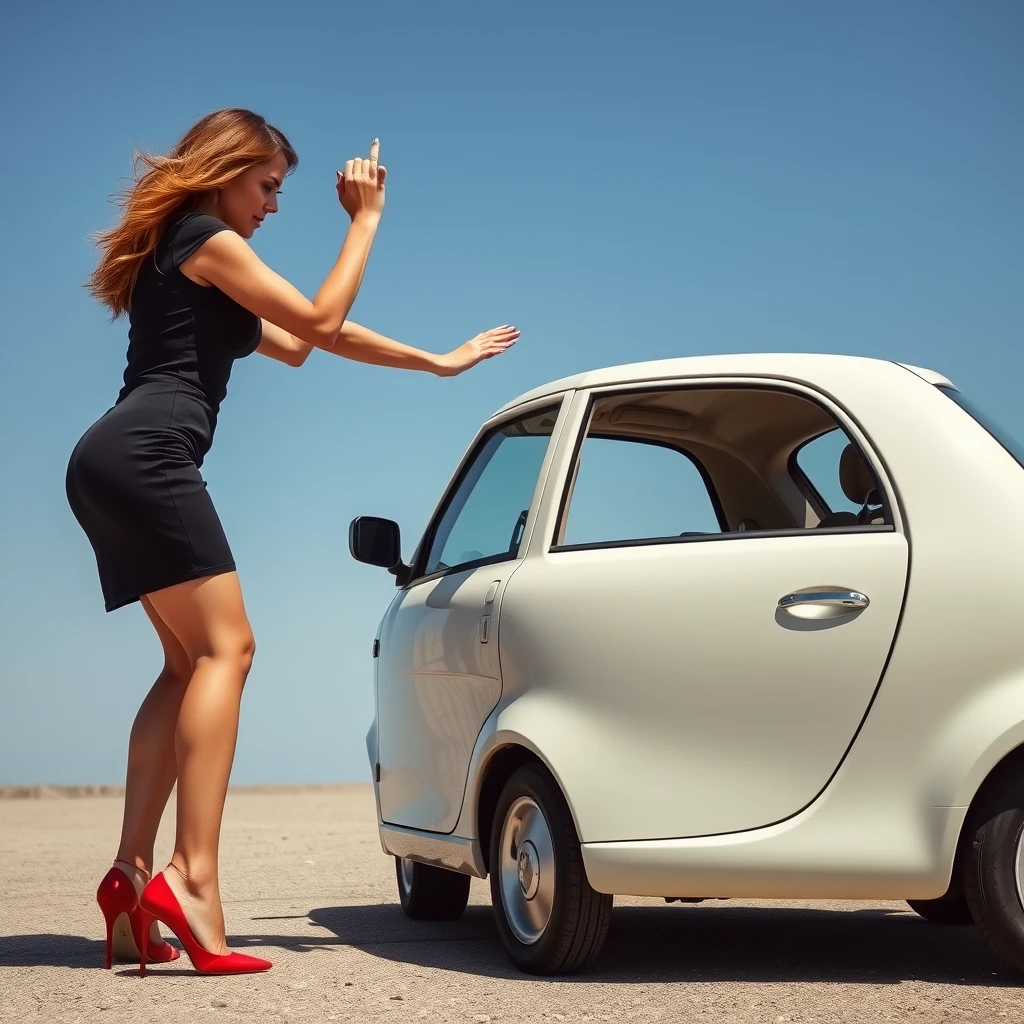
(159, 902)
(116, 896)
(119, 903)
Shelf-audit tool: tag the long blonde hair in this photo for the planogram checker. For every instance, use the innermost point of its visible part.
(213, 152)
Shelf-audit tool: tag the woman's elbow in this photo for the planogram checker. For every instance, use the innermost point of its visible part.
(320, 334)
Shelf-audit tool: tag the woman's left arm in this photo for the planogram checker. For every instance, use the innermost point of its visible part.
(365, 346)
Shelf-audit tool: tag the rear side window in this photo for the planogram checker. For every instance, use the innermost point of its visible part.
(818, 460)
(1011, 444)
(634, 490)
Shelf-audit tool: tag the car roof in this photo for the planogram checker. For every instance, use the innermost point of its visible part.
(801, 366)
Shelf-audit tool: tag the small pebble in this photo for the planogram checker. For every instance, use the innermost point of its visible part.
(218, 1003)
(399, 998)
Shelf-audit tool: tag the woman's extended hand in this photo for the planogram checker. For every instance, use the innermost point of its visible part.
(483, 346)
(361, 187)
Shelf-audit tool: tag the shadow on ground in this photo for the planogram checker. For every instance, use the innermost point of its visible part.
(698, 943)
(645, 944)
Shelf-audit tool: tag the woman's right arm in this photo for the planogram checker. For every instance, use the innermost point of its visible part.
(226, 261)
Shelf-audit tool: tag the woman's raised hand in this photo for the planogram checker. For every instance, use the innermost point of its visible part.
(361, 187)
(483, 346)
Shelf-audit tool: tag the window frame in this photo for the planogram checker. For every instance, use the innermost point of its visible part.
(555, 404)
(842, 417)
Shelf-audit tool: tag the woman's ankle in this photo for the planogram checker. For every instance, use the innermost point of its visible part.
(198, 880)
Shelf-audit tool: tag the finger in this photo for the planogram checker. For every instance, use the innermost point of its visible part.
(357, 168)
(349, 167)
(382, 173)
(374, 152)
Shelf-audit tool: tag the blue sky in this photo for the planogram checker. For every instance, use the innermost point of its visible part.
(620, 181)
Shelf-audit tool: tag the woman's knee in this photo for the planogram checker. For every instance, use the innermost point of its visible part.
(248, 651)
(235, 647)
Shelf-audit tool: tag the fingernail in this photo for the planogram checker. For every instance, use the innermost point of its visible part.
(376, 140)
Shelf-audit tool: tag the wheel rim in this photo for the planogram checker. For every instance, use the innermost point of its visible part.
(1020, 867)
(527, 870)
(405, 874)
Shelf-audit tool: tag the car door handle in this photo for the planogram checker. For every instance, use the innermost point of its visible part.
(823, 604)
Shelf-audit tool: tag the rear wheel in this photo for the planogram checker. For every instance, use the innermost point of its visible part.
(430, 894)
(994, 866)
(550, 920)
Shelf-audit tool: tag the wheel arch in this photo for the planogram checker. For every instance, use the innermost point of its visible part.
(509, 753)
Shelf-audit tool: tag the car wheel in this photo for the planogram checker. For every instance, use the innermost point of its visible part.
(994, 867)
(951, 909)
(430, 894)
(550, 920)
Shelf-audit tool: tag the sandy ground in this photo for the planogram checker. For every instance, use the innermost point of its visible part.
(306, 884)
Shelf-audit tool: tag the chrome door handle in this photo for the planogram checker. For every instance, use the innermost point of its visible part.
(823, 604)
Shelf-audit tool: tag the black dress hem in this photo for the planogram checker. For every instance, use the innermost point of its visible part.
(112, 604)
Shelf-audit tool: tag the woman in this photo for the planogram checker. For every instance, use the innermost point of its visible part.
(198, 298)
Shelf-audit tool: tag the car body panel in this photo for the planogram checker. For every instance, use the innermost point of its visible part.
(684, 685)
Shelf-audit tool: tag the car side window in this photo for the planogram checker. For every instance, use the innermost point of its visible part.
(632, 490)
(819, 461)
(680, 463)
(485, 516)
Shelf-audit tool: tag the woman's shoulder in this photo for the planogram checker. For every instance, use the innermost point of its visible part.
(183, 235)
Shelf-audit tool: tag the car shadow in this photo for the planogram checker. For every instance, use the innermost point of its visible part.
(705, 943)
(700, 943)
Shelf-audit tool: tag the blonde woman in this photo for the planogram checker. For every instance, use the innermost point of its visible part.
(198, 298)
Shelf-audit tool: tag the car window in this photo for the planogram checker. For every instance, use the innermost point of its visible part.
(485, 516)
(1010, 443)
(818, 460)
(681, 463)
(633, 490)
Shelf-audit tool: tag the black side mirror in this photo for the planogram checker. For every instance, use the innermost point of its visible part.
(375, 541)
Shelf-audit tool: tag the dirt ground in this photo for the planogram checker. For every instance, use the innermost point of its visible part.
(306, 883)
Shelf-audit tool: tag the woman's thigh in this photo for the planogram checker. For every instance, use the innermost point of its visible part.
(206, 617)
(176, 659)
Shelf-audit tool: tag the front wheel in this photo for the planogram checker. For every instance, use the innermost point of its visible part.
(994, 866)
(430, 894)
(549, 918)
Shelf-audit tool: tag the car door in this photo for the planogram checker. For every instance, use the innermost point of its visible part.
(701, 667)
(438, 674)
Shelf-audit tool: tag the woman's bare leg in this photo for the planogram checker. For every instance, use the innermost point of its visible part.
(207, 617)
(151, 762)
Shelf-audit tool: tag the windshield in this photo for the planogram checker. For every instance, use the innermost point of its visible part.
(1011, 444)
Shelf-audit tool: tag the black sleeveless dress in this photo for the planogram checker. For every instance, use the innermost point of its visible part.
(133, 480)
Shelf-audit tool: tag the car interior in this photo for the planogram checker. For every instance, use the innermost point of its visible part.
(745, 441)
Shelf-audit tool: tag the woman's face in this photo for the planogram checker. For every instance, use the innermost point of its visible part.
(244, 203)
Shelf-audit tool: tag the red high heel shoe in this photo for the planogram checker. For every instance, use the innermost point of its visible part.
(119, 903)
(157, 902)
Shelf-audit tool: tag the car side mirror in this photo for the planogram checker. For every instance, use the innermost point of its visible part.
(377, 541)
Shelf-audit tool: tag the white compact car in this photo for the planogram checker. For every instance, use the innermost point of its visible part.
(735, 626)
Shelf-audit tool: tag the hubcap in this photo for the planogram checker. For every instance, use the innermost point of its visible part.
(405, 873)
(527, 870)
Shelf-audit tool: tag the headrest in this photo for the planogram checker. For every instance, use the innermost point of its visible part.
(856, 478)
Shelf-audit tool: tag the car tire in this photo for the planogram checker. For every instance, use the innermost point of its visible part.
(430, 894)
(549, 918)
(952, 909)
(994, 865)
